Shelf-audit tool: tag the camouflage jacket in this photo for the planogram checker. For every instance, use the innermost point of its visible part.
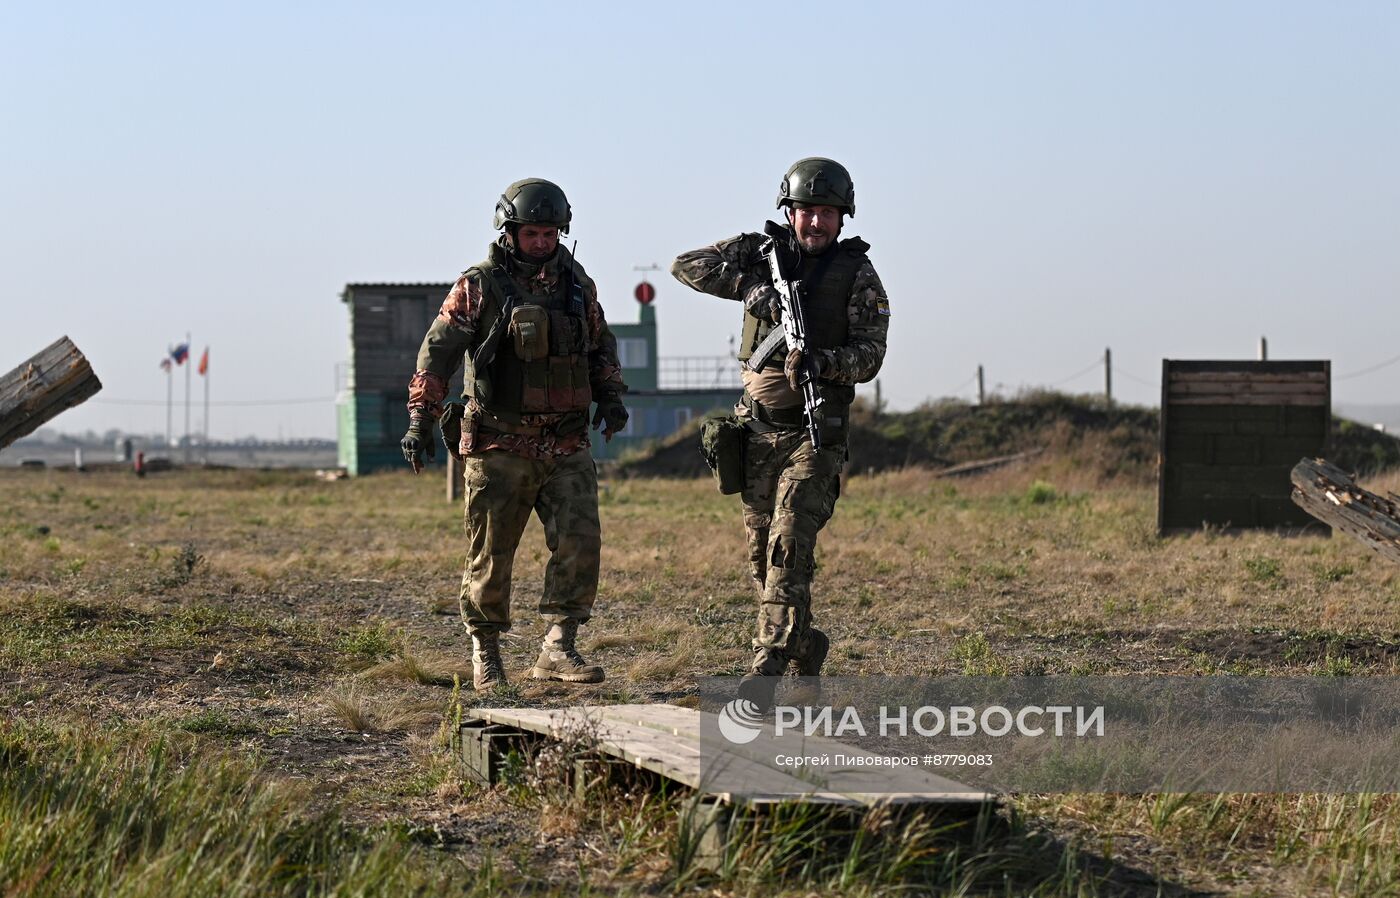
(458, 326)
(735, 269)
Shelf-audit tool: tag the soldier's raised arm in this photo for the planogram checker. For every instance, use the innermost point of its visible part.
(731, 269)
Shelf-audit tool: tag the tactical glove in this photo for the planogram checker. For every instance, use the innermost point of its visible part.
(763, 302)
(419, 439)
(611, 415)
(801, 368)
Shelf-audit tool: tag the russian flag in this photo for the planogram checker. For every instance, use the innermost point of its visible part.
(180, 353)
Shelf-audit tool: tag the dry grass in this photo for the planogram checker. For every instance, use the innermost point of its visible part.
(361, 712)
(304, 606)
(430, 671)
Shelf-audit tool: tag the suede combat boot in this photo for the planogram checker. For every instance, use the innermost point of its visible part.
(488, 671)
(809, 663)
(560, 660)
(761, 682)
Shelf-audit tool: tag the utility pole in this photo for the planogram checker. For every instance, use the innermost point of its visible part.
(1108, 376)
(981, 388)
(189, 363)
(454, 478)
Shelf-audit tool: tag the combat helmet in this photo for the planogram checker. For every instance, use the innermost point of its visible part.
(818, 181)
(533, 201)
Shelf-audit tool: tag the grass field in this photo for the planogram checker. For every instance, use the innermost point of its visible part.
(239, 683)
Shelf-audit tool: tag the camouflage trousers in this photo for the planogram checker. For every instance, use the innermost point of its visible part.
(790, 491)
(502, 489)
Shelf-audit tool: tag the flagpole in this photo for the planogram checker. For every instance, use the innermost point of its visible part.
(188, 366)
(169, 402)
(204, 364)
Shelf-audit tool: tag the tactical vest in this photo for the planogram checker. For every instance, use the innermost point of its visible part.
(827, 281)
(538, 360)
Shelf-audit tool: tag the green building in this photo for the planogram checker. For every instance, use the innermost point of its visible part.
(387, 323)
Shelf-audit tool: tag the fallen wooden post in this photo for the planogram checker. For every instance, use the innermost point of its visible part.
(986, 464)
(1330, 494)
(56, 379)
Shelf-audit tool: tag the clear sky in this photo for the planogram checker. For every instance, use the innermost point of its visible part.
(1038, 180)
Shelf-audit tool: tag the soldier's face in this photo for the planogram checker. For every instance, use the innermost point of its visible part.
(536, 241)
(815, 226)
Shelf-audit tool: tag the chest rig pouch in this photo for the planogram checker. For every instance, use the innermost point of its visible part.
(529, 325)
(543, 367)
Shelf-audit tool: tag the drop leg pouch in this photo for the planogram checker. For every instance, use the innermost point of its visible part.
(722, 440)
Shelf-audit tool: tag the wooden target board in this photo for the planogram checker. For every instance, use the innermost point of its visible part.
(1230, 435)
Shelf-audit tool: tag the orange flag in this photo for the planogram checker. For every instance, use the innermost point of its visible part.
(204, 362)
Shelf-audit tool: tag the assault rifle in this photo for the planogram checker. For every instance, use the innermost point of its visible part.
(793, 332)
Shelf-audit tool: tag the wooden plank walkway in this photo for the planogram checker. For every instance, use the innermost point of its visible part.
(668, 740)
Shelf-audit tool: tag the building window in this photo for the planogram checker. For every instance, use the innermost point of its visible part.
(632, 352)
(683, 416)
(410, 319)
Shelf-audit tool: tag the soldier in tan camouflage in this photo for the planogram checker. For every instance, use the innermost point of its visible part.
(790, 488)
(528, 326)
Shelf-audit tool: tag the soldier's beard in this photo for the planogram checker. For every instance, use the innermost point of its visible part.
(813, 244)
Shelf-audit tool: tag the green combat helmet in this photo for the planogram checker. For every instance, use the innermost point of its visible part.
(817, 181)
(533, 201)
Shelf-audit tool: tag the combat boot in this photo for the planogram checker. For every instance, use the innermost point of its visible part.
(761, 682)
(560, 660)
(809, 663)
(488, 671)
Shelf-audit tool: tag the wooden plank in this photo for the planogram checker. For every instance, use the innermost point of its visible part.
(1240, 449)
(1296, 421)
(1242, 388)
(1237, 399)
(49, 383)
(642, 749)
(1186, 366)
(651, 749)
(1187, 391)
(668, 740)
(1247, 377)
(1269, 479)
(1190, 513)
(671, 719)
(1331, 495)
(1250, 413)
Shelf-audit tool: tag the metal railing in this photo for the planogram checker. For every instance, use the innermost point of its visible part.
(688, 372)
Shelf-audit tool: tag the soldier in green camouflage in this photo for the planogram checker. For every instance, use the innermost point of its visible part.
(528, 327)
(790, 488)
